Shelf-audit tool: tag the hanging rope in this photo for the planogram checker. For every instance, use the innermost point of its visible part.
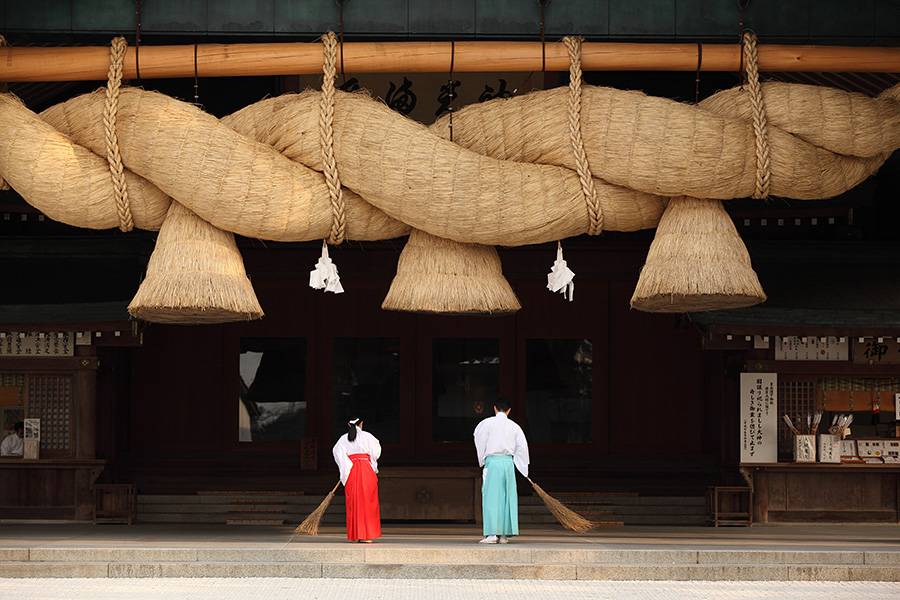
(3, 43)
(760, 126)
(326, 141)
(110, 109)
(573, 44)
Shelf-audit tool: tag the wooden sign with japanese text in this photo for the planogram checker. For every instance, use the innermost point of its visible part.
(37, 344)
(811, 348)
(759, 417)
(876, 351)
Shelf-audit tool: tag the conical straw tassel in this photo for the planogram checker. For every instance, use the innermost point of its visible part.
(195, 275)
(697, 262)
(437, 275)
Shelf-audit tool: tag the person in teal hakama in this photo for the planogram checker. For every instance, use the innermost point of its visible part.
(502, 448)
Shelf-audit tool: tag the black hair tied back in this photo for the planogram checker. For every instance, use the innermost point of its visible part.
(351, 433)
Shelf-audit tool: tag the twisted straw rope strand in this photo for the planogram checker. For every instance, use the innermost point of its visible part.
(326, 141)
(573, 45)
(3, 43)
(760, 122)
(110, 110)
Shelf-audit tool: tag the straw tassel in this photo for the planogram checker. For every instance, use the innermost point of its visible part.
(437, 275)
(567, 517)
(310, 525)
(195, 275)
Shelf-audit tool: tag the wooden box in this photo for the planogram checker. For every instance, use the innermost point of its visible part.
(114, 503)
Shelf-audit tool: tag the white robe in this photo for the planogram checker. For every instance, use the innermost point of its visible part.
(365, 443)
(12, 445)
(500, 435)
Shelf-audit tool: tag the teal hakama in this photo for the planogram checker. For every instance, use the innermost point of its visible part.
(499, 500)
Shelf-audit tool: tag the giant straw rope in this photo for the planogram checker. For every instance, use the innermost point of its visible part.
(528, 169)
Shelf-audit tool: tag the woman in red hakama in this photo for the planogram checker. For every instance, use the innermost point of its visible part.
(356, 454)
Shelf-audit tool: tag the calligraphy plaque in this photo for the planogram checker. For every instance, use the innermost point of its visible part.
(759, 417)
(876, 351)
(811, 348)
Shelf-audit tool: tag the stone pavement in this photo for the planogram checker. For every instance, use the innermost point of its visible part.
(780, 553)
(409, 589)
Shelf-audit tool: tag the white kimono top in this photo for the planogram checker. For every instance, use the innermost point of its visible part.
(500, 435)
(12, 445)
(365, 443)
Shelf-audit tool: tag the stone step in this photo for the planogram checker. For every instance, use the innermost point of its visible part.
(481, 570)
(292, 508)
(520, 551)
(147, 499)
(313, 500)
(674, 520)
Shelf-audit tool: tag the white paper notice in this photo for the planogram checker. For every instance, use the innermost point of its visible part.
(759, 417)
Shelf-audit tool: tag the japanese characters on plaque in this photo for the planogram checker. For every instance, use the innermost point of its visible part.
(876, 351)
(811, 348)
(37, 344)
(759, 417)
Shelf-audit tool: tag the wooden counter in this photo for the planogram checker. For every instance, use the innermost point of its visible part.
(52, 489)
(821, 492)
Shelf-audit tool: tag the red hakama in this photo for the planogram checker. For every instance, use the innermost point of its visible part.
(361, 491)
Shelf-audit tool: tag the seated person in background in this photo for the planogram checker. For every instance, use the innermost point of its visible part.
(12, 445)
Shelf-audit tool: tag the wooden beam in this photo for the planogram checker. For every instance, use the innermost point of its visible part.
(90, 63)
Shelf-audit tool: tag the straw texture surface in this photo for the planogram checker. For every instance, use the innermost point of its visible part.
(697, 262)
(256, 173)
(528, 169)
(310, 525)
(195, 275)
(437, 275)
(566, 517)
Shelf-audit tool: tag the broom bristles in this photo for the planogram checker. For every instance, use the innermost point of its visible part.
(567, 517)
(310, 525)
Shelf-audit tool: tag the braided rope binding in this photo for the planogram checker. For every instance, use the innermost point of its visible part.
(110, 110)
(326, 141)
(573, 45)
(3, 43)
(760, 123)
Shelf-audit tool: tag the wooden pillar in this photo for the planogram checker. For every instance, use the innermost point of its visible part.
(86, 403)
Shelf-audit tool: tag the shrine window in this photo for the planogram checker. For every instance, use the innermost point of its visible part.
(559, 390)
(272, 403)
(45, 396)
(365, 383)
(465, 383)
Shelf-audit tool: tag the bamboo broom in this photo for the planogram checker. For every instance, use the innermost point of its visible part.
(310, 525)
(567, 517)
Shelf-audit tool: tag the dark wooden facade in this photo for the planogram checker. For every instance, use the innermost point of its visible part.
(656, 395)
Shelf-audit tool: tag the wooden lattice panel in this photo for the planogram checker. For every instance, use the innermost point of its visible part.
(13, 384)
(796, 398)
(50, 400)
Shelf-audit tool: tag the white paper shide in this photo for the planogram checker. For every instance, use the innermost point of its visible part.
(560, 278)
(325, 275)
